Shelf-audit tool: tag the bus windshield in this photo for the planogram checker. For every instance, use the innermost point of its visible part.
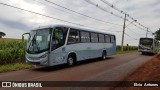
(38, 40)
(146, 41)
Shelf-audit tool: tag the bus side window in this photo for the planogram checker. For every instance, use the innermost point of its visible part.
(101, 38)
(112, 39)
(94, 37)
(107, 37)
(73, 36)
(85, 37)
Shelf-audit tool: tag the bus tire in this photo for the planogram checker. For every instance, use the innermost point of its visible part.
(104, 55)
(70, 60)
(143, 53)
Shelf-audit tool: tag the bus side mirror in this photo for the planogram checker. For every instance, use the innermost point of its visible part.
(23, 36)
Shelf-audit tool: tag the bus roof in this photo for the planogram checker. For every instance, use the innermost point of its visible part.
(60, 25)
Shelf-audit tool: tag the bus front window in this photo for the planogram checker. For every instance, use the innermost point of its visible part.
(59, 37)
(38, 41)
(146, 43)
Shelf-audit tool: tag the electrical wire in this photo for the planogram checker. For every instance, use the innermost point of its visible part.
(88, 1)
(57, 18)
(114, 7)
(80, 13)
(48, 16)
(130, 36)
(132, 31)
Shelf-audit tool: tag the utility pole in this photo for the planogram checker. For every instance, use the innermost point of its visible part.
(147, 33)
(124, 26)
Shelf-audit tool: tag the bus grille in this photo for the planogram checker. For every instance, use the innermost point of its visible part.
(35, 63)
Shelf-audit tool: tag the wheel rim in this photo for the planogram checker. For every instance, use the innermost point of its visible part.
(70, 61)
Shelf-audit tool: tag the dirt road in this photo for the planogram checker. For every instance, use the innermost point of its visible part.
(114, 68)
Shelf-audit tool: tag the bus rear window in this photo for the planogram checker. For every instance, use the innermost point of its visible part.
(146, 41)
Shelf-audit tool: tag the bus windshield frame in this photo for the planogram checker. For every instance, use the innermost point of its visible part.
(39, 41)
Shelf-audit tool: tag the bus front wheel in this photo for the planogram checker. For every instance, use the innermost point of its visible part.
(70, 61)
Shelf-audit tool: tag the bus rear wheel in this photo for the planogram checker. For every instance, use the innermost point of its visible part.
(143, 53)
(103, 55)
(70, 61)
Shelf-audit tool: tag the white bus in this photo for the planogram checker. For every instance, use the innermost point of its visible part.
(60, 44)
(148, 46)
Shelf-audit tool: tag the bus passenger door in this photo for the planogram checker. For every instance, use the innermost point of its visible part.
(57, 54)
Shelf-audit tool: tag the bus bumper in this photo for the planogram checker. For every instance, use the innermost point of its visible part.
(147, 51)
(41, 62)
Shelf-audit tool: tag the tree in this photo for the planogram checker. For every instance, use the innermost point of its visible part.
(2, 34)
(157, 34)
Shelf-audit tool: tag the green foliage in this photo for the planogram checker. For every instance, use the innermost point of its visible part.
(12, 52)
(127, 48)
(157, 35)
(13, 67)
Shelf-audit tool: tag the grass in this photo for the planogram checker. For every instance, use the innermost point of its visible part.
(120, 52)
(13, 67)
(11, 51)
(8, 40)
(11, 55)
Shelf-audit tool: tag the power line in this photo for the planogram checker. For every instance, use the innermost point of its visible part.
(114, 7)
(138, 26)
(116, 16)
(111, 5)
(38, 13)
(130, 36)
(141, 28)
(88, 1)
(132, 31)
(112, 12)
(47, 16)
(81, 13)
(53, 7)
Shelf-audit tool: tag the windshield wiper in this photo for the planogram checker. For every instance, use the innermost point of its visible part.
(33, 42)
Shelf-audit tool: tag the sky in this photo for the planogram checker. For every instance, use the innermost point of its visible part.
(15, 22)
